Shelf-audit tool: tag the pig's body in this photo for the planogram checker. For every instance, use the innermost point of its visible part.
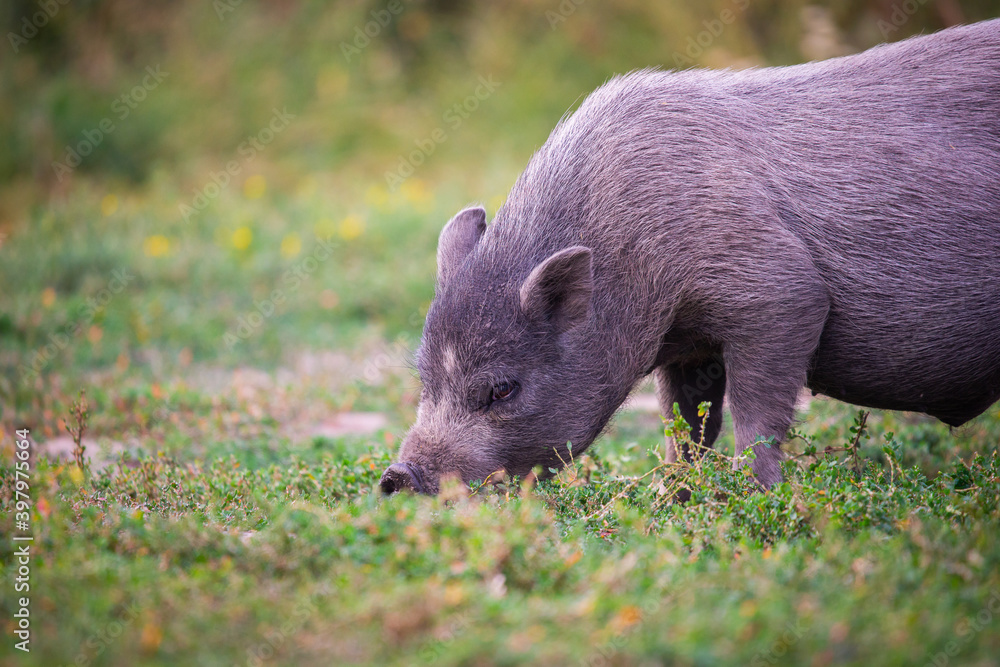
(834, 225)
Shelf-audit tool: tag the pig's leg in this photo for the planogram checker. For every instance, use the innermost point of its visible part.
(688, 384)
(765, 370)
(762, 409)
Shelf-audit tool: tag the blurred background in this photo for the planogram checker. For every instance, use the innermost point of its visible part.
(218, 219)
(189, 188)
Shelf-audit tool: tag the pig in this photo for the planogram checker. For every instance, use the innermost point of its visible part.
(739, 235)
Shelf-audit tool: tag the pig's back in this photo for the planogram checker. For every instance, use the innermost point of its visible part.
(888, 168)
(886, 165)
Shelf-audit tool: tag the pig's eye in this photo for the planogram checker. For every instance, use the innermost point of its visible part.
(503, 391)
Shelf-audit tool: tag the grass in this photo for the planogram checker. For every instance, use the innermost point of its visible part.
(226, 516)
(231, 559)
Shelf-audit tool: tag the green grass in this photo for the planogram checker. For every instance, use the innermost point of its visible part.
(297, 559)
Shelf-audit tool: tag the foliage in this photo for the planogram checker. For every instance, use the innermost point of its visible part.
(589, 565)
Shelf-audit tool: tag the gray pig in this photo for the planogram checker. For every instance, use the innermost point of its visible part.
(834, 225)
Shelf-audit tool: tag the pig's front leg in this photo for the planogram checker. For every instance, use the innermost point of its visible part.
(766, 368)
(767, 306)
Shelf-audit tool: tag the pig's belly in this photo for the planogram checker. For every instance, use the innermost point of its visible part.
(949, 371)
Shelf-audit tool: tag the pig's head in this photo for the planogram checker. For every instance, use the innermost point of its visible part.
(509, 370)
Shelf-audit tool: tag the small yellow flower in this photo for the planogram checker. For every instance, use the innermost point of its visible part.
(416, 193)
(254, 187)
(156, 245)
(351, 227)
(109, 205)
(325, 228)
(415, 190)
(48, 297)
(377, 197)
(453, 594)
(242, 238)
(291, 245)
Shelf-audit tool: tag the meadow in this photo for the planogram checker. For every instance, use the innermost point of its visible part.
(217, 235)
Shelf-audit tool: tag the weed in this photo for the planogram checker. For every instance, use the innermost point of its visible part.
(76, 425)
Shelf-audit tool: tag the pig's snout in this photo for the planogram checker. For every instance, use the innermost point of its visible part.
(400, 476)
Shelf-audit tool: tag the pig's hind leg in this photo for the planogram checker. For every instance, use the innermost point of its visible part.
(688, 384)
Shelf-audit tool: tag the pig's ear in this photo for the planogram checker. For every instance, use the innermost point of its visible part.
(457, 240)
(558, 290)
